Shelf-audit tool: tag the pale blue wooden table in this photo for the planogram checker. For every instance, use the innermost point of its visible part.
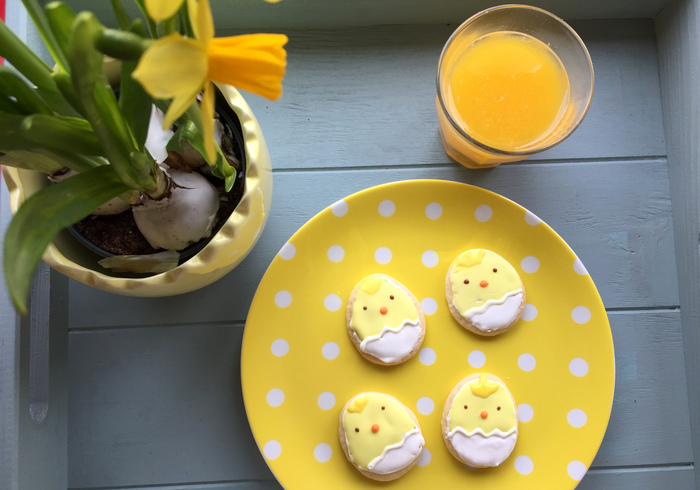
(145, 393)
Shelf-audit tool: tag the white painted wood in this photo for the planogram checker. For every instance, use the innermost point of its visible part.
(366, 97)
(338, 13)
(163, 405)
(679, 46)
(615, 215)
(358, 110)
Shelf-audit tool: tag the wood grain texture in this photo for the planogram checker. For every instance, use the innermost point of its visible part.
(366, 96)
(315, 13)
(624, 236)
(154, 384)
(163, 405)
(679, 38)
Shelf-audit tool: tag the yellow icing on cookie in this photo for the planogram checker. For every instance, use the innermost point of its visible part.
(391, 423)
(484, 388)
(467, 295)
(358, 404)
(372, 311)
(495, 411)
(471, 258)
(371, 285)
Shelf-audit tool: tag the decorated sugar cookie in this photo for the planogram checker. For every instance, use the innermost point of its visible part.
(384, 320)
(380, 436)
(484, 292)
(479, 421)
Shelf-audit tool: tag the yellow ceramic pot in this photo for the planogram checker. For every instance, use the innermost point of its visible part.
(224, 252)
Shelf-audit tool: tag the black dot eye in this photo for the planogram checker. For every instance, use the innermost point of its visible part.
(383, 408)
(465, 407)
(364, 307)
(357, 429)
(498, 408)
(466, 281)
(495, 270)
(391, 297)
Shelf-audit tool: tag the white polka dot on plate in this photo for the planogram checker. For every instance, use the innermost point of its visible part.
(275, 397)
(382, 255)
(532, 219)
(272, 449)
(578, 367)
(525, 412)
(323, 452)
(427, 356)
(579, 267)
(425, 405)
(279, 347)
(433, 210)
(530, 264)
(581, 314)
(288, 251)
(576, 470)
(387, 208)
(527, 362)
(339, 208)
(476, 359)
(330, 350)
(483, 213)
(529, 312)
(524, 465)
(332, 302)
(429, 258)
(283, 298)
(424, 458)
(429, 306)
(326, 400)
(576, 418)
(335, 253)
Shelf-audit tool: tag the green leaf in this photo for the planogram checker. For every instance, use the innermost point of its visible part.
(25, 99)
(46, 213)
(65, 86)
(123, 45)
(151, 25)
(24, 59)
(11, 137)
(60, 20)
(49, 162)
(61, 133)
(47, 35)
(33, 69)
(134, 102)
(31, 160)
(100, 105)
(122, 17)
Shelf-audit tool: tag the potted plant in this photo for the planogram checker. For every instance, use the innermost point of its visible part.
(156, 149)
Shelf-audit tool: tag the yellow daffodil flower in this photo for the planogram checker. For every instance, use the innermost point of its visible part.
(179, 68)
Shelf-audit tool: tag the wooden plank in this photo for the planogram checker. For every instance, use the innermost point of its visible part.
(366, 96)
(679, 36)
(624, 237)
(677, 478)
(33, 411)
(314, 13)
(163, 405)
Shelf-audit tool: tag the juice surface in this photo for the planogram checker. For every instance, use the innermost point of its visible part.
(507, 90)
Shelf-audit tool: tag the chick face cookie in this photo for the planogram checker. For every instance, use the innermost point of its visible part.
(384, 320)
(484, 292)
(380, 436)
(479, 421)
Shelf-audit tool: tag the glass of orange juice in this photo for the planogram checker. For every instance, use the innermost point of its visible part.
(511, 81)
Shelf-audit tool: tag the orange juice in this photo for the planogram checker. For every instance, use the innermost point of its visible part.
(507, 90)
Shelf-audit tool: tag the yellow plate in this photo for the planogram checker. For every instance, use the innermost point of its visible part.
(299, 366)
